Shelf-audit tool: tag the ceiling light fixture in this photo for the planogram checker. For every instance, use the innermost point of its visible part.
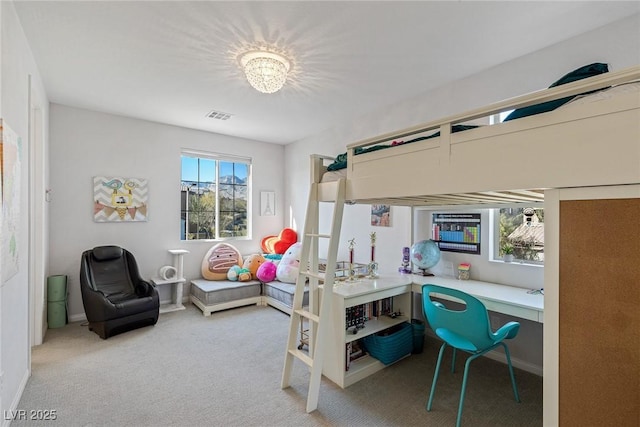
(265, 71)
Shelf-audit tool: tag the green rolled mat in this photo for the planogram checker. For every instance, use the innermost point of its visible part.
(57, 288)
(57, 301)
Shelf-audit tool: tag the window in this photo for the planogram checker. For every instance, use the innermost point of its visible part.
(214, 195)
(499, 118)
(520, 231)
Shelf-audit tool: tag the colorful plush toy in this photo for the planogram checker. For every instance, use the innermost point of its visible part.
(238, 274)
(266, 272)
(274, 258)
(280, 243)
(289, 266)
(252, 263)
(232, 274)
(244, 275)
(218, 260)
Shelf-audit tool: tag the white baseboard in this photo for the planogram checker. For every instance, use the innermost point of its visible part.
(6, 419)
(499, 356)
(517, 363)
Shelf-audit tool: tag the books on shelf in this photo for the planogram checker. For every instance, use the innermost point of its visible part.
(358, 314)
(355, 351)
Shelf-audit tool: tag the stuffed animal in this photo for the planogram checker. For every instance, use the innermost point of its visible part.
(232, 274)
(244, 275)
(218, 260)
(238, 274)
(274, 258)
(280, 243)
(289, 266)
(252, 263)
(266, 272)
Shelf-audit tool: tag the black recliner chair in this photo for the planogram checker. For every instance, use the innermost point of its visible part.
(115, 298)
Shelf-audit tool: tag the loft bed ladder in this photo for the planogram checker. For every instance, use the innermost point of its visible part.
(317, 315)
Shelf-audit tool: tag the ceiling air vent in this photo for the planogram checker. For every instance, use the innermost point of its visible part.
(219, 115)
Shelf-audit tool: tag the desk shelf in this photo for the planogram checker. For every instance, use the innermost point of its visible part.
(347, 295)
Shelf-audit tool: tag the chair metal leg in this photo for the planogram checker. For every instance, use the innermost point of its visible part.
(513, 378)
(435, 377)
(464, 387)
(453, 361)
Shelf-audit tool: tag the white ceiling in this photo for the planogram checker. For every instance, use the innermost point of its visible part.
(173, 62)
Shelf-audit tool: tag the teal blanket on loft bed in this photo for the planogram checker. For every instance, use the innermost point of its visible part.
(577, 74)
(341, 159)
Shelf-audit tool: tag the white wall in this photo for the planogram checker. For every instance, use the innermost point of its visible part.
(85, 144)
(16, 65)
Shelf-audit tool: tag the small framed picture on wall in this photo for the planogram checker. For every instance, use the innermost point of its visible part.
(267, 203)
(381, 215)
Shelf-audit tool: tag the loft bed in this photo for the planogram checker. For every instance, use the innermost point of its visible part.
(593, 140)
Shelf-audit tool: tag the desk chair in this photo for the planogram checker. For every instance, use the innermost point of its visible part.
(467, 329)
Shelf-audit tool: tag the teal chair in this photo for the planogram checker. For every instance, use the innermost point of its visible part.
(466, 329)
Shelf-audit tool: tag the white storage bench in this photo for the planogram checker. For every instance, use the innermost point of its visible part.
(216, 295)
(280, 295)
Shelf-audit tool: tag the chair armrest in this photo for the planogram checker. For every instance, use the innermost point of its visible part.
(144, 288)
(507, 331)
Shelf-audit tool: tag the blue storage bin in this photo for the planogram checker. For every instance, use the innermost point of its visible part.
(392, 347)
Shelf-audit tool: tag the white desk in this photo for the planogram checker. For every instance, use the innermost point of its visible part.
(499, 298)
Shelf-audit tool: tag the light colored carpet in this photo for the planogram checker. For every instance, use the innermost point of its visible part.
(225, 370)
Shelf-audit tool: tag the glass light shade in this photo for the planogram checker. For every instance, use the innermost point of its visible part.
(265, 71)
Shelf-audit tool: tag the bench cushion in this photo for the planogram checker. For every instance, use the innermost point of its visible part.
(283, 292)
(212, 292)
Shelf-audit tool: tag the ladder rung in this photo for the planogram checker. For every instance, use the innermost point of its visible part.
(326, 236)
(312, 274)
(308, 315)
(304, 357)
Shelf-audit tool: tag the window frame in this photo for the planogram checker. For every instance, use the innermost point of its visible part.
(217, 158)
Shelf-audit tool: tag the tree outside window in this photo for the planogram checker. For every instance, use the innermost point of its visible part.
(521, 232)
(214, 198)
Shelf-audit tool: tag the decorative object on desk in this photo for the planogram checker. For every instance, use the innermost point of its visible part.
(373, 265)
(424, 255)
(507, 252)
(406, 261)
(381, 215)
(352, 272)
(463, 271)
(343, 267)
(168, 272)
